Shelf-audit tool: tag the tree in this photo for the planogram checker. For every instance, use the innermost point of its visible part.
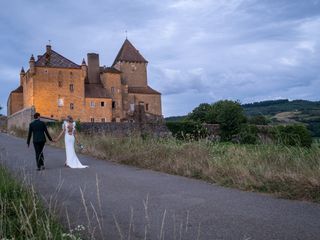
(200, 113)
(230, 116)
(258, 120)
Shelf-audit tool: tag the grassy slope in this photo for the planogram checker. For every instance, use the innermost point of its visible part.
(283, 111)
(22, 216)
(289, 172)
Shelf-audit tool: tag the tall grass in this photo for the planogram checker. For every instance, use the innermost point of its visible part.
(21, 214)
(289, 172)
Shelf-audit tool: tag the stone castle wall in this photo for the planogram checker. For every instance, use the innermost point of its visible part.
(125, 129)
(21, 119)
(133, 74)
(52, 84)
(15, 103)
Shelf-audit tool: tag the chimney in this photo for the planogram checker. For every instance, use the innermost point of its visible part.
(93, 68)
(48, 49)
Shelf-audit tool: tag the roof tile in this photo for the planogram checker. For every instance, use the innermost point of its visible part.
(142, 90)
(54, 59)
(95, 90)
(129, 53)
(18, 90)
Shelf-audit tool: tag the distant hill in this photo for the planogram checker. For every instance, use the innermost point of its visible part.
(284, 105)
(285, 111)
(175, 118)
(282, 111)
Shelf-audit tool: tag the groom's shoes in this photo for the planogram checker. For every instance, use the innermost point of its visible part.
(38, 169)
(43, 168)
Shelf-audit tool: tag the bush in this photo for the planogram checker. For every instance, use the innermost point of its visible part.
(258, 120)
(187, 130)
(230, 116)
(200, 113)
(248, 134)
(292, 135)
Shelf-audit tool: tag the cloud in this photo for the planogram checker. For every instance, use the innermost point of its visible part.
(198, 50)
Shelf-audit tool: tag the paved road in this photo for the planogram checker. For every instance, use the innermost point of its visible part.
(167, 207)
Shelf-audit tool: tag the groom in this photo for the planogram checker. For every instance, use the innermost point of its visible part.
(38, 129)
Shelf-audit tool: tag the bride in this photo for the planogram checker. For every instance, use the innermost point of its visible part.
(69, 130)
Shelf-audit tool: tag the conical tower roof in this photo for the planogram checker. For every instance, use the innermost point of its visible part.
(129, 53)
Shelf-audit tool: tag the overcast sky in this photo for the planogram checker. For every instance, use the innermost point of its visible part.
(198, 50)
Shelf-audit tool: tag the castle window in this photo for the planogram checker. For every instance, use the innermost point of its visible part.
(102, 104)
(147, 106)
(92, 104)
(71, 106)
(132, 107)
(60, 78)
(71, 88)
(92, 119)
(60, 102)
(112, 90)
(113, 104)
(71, 75)
(133, 67)
(103, 120)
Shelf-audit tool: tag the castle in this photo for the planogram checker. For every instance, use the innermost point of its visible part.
(58, 87)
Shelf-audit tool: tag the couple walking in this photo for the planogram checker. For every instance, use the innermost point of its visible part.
(38, 130)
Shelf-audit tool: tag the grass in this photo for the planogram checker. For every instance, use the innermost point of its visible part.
(22, 216)
(288, 172)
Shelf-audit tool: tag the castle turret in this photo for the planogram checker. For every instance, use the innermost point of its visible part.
(84, 69)
(132, 65)
(22, 74)
(32, 65)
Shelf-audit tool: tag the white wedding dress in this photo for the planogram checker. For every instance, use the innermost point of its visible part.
(72, 159)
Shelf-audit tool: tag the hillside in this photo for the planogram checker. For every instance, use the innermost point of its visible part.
(282, 111)
(284, 105)
(285, 111)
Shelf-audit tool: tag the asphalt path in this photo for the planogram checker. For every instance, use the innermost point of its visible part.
(115, 201)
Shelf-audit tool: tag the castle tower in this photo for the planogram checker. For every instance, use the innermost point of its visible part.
(22, 74)
(132, 65)
(84, 69)
(32, 65)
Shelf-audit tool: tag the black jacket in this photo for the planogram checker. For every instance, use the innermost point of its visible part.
(38, 128)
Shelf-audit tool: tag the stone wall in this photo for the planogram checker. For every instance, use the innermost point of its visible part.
(213, 129)
(21, 119)
(3, 123)
(15, 102)
(133, 74)
(96, 111)
(126, 129)
(54, 90)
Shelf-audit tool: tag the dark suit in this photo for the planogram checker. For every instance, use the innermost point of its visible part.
(38, 129)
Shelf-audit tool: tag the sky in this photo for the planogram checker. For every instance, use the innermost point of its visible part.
(199, 51)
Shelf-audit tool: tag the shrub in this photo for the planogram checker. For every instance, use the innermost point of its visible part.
(292, 135)
(200, 113)
(230, 116)
(258, 120)
(248, 134)
(187, 130)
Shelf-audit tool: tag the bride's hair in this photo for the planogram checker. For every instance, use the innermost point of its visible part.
(69, 118)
